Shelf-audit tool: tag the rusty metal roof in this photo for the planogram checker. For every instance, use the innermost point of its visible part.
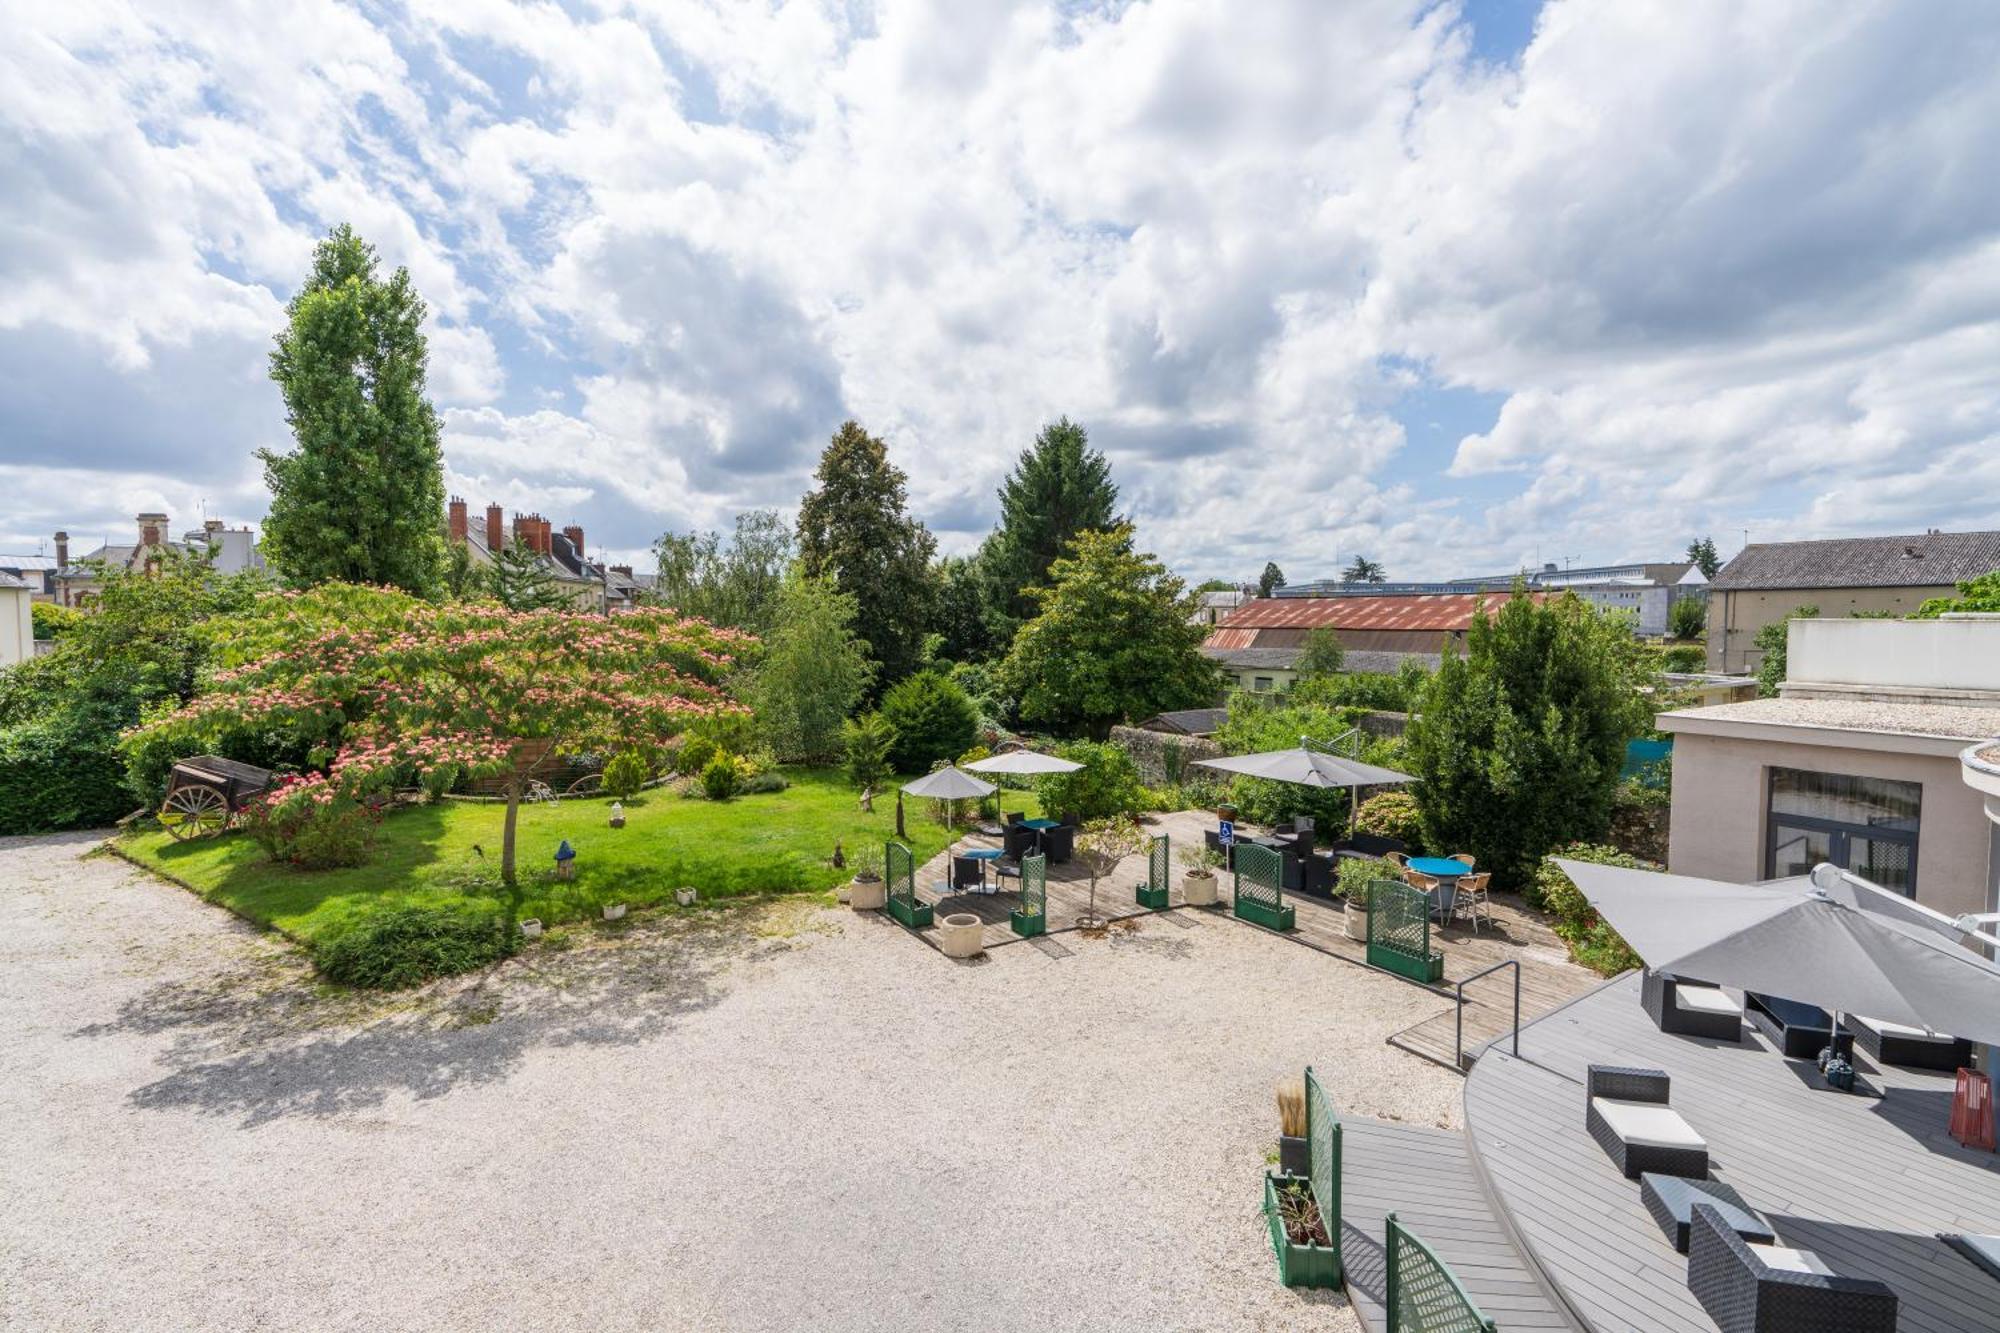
(1439, 611)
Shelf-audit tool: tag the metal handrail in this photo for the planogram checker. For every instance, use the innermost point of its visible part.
(1458, 1014)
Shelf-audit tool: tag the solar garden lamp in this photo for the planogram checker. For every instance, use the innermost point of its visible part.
(565, 861)
(617, 814)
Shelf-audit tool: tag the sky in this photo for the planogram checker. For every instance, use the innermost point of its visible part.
(1461, 287)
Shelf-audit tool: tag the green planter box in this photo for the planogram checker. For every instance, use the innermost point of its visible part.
(914, 915)
(1403, 965)
(1272, 918)
(1025, 925)
(1298, 1265)
(1154, 898)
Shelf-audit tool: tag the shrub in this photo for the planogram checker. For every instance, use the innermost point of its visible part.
(720, 780)
(405, 946)
(1107, 784)
(1391, 814)
(62, 770)
(1356, 873)
(627, 772)
(52, 621)
(1687, 618)
(695, 753)
(1684, 657)
(756, 784)
(933, 720)
(1591, 942)
(305, 823)
(868, 740)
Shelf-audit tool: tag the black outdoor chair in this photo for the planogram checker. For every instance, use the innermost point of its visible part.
(966, 873)
(1059, 844)
(1014, 817)
(1019, 841)
(1371, 844)
(1069, 817)
(1748, 1288)
(1690, 1008)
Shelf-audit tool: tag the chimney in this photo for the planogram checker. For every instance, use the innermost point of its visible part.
(496, 528)
(575, 535)
(626, 570)
(456, 509)
(542, 534)
(62, 550)
(152, 529)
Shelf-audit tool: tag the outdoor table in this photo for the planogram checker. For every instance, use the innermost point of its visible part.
(1041, 825)
(982, 855)
(1671, 1201)
(1439, 867)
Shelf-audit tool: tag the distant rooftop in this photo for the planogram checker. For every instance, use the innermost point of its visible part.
(1435, 611)
(1930, 558)
(1955, 722)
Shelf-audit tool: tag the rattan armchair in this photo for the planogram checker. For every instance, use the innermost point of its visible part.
(1690, 1008)
(1751, 1288)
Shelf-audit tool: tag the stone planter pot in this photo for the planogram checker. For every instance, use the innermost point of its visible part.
(1354, 917)
(685, 897)
(613, 911)
(868, 893)
(1198, 888)
(961, 935)
(532, 928)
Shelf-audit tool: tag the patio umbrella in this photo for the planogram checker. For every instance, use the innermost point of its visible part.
(1022, 763)
(1309, 767)
(950, 785)
(1794, 939)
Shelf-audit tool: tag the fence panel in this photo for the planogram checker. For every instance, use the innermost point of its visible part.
(1424, 1294)
(899, 867)
(1399, 931)
(1323, 1145)
(1032, 916)
(1159, 872)
(1260, 895)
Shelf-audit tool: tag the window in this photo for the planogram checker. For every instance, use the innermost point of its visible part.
(1263, 683)
(1867, 825)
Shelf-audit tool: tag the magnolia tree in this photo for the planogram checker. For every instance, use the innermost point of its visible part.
(425, 692)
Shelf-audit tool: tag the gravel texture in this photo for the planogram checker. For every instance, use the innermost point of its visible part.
(769, 1118)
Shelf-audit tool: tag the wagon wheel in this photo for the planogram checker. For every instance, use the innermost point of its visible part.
(587, 785)
(194, 812)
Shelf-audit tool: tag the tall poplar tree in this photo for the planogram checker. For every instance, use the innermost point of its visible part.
(853, 529)
(1058, 488)
(361, 499)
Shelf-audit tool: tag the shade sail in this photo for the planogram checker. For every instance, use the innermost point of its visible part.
(1307, 768)
(1791, 939)
(1023, 763)
(948, 784)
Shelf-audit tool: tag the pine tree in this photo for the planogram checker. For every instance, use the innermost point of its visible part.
(1363, 570)
(1271, 579)
(361, 497)
(520, 581)
(1702, 553)
(1058, 488)
(854, 530)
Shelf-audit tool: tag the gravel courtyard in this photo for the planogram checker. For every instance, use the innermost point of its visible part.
(770, 1118)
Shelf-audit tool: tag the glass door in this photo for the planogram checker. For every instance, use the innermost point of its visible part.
(1866, 825)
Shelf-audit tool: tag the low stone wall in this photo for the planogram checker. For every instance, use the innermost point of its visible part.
(1386, 726)
(1163, 757)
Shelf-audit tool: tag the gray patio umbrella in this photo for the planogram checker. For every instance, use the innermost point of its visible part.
(1023, 763)
(1309, 767)
(1793, 939)
(950, 785)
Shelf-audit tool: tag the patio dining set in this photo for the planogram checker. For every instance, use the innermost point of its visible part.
(1020, 838)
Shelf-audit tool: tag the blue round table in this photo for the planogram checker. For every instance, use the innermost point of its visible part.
(1439, 867)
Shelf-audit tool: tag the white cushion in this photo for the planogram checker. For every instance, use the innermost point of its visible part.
(1705, 1000)
(1888, 1029)
(1796, 1261)
(1647, 1124)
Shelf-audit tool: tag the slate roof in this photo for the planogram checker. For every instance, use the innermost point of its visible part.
(1282, 659)
(1188, 721)
(1931, 558)
(1371, 661)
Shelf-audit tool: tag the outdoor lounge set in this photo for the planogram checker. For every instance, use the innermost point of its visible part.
(1744, 1279)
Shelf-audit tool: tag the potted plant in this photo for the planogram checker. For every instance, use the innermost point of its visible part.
(1294, 1158)
(613, 911)
(1198, 884)
(685, 897)
(1355, 874)
(1307, 1254)
(868, 893)
(532, 928)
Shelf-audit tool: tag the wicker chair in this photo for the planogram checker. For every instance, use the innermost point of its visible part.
(1626, 1111)
(1475, 902)
(1463, 856)
(1400, 860)
(1749, 1288)
(1690, 1008)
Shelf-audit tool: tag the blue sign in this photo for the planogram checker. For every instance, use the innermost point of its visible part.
(1226, 833)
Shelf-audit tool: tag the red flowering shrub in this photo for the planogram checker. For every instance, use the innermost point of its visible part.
(308, 822)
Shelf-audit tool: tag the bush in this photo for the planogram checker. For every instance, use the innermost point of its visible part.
(52, 621)
(1357, 872)
(62, 770)
(1687, 618)
(1107, 784)
(1684, 657)
(406, 946)
(721, 779)
(306, 824)
(759, 783)
(1591, 942)
(695, 753)
(627, 772)
(868, 740)
(933, 720)
(1391, 814)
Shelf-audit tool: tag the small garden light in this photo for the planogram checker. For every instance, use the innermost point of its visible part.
(617, 814)
(565, 861)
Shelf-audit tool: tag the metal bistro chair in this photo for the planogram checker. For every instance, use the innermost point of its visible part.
(1474, 902)
(967, 873)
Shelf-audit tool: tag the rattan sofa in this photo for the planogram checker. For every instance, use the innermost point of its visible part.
(1690, 1008)
(1912, 1048)
(1626, 1111)
(1797, 1029)
(1751, 1288)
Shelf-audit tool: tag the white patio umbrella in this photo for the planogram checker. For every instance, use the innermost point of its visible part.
(1794, 939)
(1309, 767)
(1022, 763)
(950, 785)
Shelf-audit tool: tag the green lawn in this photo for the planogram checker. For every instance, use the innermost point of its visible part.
(772, 843)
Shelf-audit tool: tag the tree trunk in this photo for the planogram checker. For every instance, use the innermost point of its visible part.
(507, 837)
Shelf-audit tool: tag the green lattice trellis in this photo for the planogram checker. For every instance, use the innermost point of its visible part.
(1424, 1294)
(1260, 894)
(899, 867)
(1032, 917)
(1159, 867)
(1323, 1145)
(1399, 931)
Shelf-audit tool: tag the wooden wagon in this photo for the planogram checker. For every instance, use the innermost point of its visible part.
(206, 792)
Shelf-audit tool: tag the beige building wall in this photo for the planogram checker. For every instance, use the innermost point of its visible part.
(1735, 616)
(1721, 803)
(17, 626)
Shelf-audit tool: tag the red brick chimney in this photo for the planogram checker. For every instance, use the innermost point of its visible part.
(575, 535)
(62, 550)
(496, 528)
(456, 509)
(152, 529)
(542, 534)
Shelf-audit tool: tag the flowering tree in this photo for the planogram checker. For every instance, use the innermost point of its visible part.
(422, 691)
